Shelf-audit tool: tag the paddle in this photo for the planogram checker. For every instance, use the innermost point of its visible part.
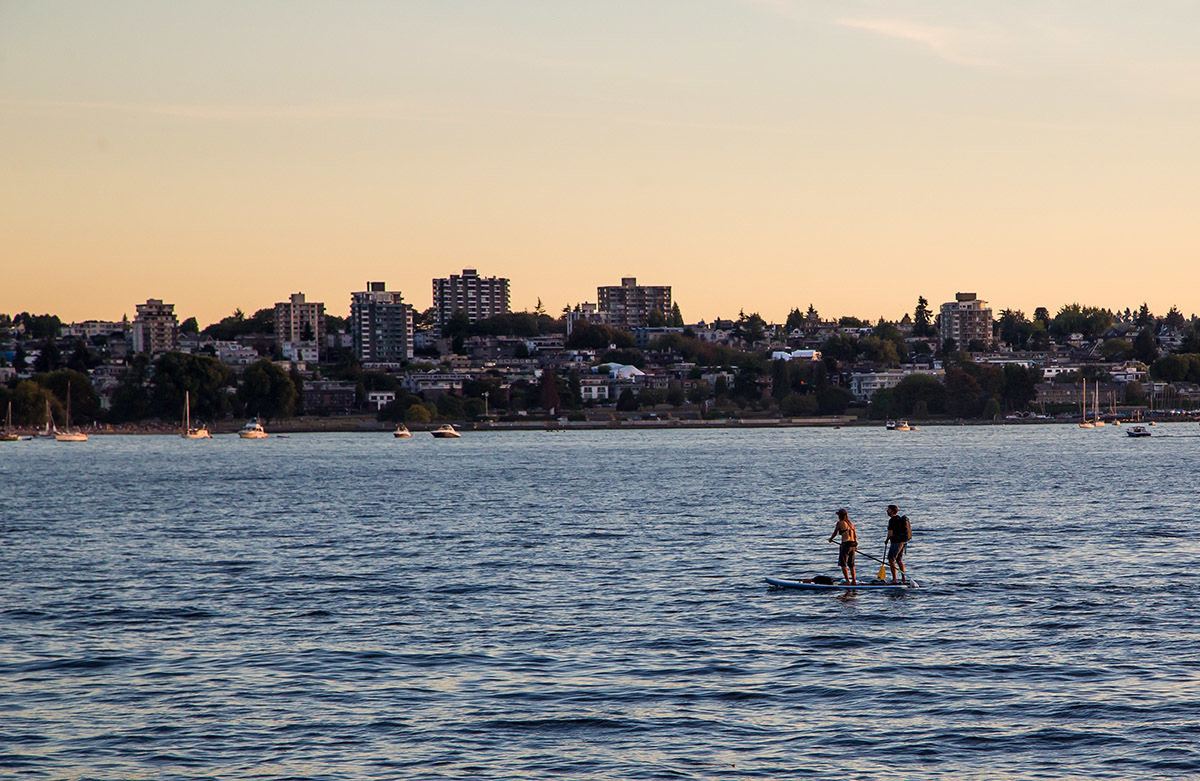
(881, 561)
(883, 567)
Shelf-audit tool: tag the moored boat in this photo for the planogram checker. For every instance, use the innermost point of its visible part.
(253, 430)
(71, 434)
(7, 434)
(198, 432)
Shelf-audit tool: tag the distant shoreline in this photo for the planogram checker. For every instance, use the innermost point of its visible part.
(364, 425)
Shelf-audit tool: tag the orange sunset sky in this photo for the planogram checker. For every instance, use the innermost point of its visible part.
(753, 154)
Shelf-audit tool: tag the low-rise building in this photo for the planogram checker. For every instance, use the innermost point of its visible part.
(323, 397)
(863, 385)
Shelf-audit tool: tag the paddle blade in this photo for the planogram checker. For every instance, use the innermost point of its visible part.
(882, 572)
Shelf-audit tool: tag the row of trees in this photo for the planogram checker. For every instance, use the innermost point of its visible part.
(970, 390)
(148, 390)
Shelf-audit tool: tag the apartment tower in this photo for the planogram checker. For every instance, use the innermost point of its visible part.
(381, 325)
(480, 297)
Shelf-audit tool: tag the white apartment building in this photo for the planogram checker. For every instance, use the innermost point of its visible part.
(966, 319)
(863, 385)
(479, 297)
(155, 329)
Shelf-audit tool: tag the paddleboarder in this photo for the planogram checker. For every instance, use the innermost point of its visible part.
(846, 550)
(899, 532)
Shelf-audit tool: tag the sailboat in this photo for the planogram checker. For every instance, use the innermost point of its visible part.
(7, 434)
(1083, 407)
(200, 432)
(70, 435)
(1096, 407)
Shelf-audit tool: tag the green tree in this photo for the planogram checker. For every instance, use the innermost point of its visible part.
(922, 327)
(991, 410)
(189, 326)
(833, 401)
(267, 391)
(416, 413)
(676, 396)
(1145, 346)
(85, 404)
(548, 390)
(1020, 386)
(131, 398)
(29, 401)
(676, 316)
(795, 320)
(918, 388)
(780, 384)
(749, 328)
(205, 378)
(1171, 368)
(627, 402)
(656, 319)
(1116, 349)
(799, 405)
(1174, 319)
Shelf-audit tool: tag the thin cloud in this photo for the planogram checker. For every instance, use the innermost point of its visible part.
(946, 43)
(225, 112)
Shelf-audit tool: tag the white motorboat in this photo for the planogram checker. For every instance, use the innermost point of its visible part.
(253, 430)
(402, 432)
(199, 432)
(445, 432)
(1137, 431)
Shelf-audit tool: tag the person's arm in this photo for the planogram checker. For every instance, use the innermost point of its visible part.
(836, 526)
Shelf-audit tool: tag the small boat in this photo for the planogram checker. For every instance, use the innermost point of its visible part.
(445, 432)
(200, 432)
(7, 434)
(1083, 406)
(252, 430)
(903, 426)
(402, 432)
(891, 425)
(809, 585)
(1138, 431)
(70, 435)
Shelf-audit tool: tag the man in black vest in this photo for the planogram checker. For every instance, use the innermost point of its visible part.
(898, 534)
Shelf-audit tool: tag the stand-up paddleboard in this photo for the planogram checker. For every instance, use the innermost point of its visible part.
(808, 585)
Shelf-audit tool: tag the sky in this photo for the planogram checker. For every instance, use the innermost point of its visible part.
(755, 155)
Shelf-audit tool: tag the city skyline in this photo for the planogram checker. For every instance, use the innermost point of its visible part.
(757, 155)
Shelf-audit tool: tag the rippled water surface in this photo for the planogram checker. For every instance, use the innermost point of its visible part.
(534, 605)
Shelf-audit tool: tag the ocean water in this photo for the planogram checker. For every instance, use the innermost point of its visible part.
(536, 605)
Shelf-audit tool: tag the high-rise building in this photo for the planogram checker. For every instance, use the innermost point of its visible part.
(297, 320)
(381, 325)
(628, 305)
(480, 297)
(155, 329)
(966, 319)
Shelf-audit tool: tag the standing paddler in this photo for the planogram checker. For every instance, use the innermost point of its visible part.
(846, 550)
